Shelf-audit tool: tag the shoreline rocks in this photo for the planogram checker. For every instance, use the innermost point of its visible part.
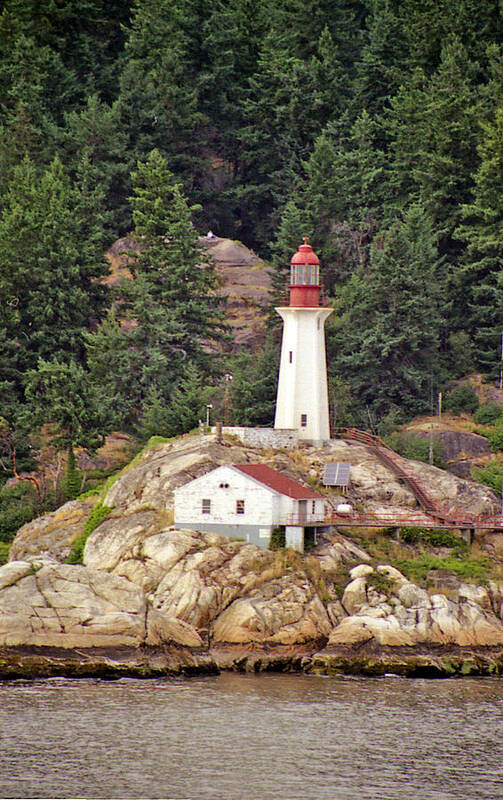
(33, 663)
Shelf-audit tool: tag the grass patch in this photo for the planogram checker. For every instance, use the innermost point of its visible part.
(476, 569)
(433, 537)
(380, 582)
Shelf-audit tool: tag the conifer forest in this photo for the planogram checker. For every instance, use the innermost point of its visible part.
(373, 126)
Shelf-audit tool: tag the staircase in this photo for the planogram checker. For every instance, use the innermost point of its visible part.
(399, 465)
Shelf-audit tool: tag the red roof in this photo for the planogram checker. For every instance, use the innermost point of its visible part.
(275, 480)
(305, 254)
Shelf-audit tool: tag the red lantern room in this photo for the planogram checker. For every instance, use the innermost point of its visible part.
(305, 277)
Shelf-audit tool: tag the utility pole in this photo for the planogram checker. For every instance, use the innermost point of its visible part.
(228, 378)
(430, 455)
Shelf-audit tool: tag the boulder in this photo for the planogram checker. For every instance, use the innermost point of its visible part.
(59, 605)
(280, 612)
(52, 534)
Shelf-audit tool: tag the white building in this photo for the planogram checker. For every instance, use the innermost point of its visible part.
(302, 399)
(248, 501)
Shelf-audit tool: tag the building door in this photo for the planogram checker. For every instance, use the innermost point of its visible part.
(302, 510)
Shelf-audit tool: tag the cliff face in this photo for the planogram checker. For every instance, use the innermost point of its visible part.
(244, 283)
(215, 602)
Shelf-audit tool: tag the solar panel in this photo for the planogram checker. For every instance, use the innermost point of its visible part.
(336, 474)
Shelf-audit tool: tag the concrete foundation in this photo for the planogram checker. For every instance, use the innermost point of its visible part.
(294, 537)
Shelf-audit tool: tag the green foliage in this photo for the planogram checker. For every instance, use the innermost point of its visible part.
(4, 552)
(62, 393)
(381, 583)
(415, 447)
(487, 414)
(96, 517)
(390, 362)
(173, 307)
(494, 436)
(73, 478)
(490, 475)
(433, 537)
(461, 399)
(466, 568)
(17, 506)
(254, 384)
(52, 257)
(277, 540)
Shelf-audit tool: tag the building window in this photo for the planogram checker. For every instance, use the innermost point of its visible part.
(240, 506)
(206, 506)
(290, 356)
(303, 420)
(313, 507)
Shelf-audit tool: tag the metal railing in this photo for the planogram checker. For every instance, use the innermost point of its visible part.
(440, 514)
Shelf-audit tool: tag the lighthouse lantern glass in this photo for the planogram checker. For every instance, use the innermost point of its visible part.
(305, 275)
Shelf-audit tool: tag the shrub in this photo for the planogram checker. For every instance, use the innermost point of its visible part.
(495, 438)
(487, 414)
(490, 475)
(417, 448)
(17, 506)
(4, 552)
(461, 398)
(434, 537)
(277, 540)
(476, 569)
(380, 582)
(96, 516)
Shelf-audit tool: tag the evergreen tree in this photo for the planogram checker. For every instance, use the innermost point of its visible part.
(61, 393)
(254, 385)
(158, 99)
(173, 310)
(94, 146)
(50, 261)
(433, 126)
(389, 318)
(187, 404)
(480, 280)
(346, 195)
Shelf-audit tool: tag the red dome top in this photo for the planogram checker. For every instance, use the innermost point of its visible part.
(305, 254)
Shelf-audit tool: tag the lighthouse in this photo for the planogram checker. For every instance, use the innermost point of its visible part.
(302, 399)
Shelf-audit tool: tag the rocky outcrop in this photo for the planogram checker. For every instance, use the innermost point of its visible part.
(56, 605)
(407, 615)
(199, 600)
(142, 494)
(52, 535)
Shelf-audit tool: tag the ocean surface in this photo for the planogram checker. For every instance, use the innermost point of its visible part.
(269, 737)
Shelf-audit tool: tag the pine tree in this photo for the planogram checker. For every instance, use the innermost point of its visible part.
(480, 280)
(254, 385)
(51, 260)
(187, 404)
(94, 147)
(433, 126)
(172, 305)
(389, 319)
(61, 393)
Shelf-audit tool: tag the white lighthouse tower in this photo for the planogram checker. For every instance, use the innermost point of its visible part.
(302, 399)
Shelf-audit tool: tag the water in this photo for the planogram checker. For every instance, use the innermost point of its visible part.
(266, 737)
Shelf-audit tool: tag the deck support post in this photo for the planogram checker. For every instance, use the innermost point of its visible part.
(468, 534)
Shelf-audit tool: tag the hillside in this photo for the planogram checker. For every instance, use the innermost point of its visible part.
(154, 599)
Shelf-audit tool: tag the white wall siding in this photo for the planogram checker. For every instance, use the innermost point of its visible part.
(258, 500)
